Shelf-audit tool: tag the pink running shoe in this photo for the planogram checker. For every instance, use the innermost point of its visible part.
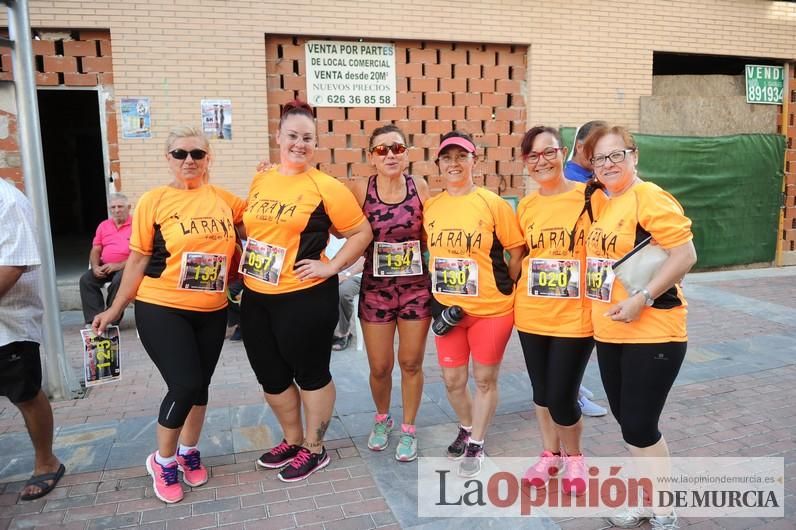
(573, 480)
(164, 480)
(193, 472)
(549, 465)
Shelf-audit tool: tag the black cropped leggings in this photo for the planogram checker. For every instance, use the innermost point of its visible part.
(637, 379)
(555, 366)
(185, 347)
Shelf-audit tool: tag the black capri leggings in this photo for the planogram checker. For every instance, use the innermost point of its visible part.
(555, 366)
(288, 336)
(185, 347)
(637, 379)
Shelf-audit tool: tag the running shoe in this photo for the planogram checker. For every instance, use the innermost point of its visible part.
(164, 480)
(473, 459)
(583, 391)
(456, 449)
(573, 480)
(278, 456)
(549, 465)
(664, 522)
(631, 517)
(406, 451)
(589, 408)
(193, 472)
(303, 465)
(379, 437)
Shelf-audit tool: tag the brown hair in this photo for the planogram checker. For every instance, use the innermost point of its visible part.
(530, 136)
(296, 108)
(387, 129)
(604, 130)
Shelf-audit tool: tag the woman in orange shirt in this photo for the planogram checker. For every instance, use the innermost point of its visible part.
(180, 250)
(289, 307)
(640, 334)
(551, 313)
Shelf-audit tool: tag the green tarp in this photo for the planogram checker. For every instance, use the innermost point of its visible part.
(730, 187)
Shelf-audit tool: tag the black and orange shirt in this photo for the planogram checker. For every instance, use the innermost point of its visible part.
(623, 223)
(288, 219)
(467, 236)
(550, 296)
(190, 238)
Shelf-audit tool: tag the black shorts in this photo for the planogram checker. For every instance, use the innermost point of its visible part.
(288, 336)
(20, 371)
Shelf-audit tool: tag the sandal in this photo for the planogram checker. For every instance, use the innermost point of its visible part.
(42, 481)
(341, 343)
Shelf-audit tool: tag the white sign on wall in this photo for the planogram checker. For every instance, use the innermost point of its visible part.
(350, 74)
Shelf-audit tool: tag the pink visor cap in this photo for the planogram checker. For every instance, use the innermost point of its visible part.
(464, 143)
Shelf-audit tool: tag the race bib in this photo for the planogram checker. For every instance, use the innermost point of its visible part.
(203, 272)
(554, 278)
(262, 261)
(457, 276)
(599, 279)
(397, 259)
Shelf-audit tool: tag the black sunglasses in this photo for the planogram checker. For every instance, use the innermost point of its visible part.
(182, 154)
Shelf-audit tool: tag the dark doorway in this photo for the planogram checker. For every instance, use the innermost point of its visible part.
(73, 162)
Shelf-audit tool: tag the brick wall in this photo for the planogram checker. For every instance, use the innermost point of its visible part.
(478, 88)
(69, 59)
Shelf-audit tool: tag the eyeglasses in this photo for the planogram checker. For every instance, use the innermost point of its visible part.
(382, 150)
(548, 153)
(459, 159)
(182, 154)
(615, 157)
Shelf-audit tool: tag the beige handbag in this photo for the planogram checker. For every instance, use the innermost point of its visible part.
(637, 267)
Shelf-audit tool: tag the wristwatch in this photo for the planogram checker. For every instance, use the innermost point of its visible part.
(648, 299)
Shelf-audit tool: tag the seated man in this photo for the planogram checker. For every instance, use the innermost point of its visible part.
(349, 279)
(109, 252)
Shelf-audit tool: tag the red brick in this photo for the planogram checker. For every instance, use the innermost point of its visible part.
(329, 141)
(368, 126)
(411, 70)
(105, 79)
(427, 56)
(361, 169)
(479, 113)
(499, 153)
(481, 85)
(421, 113)
(453, 57)
(322, 155)
(48, 79)
(346, 127)
(420, 84)
(330, 113)
(106, 49)
(427, 140)
(335, 170)
(509, 167)
(486, 58)
(497, 126)
(97, 64)
(290, 51)
(8, 64)
(466, 71)
(470, 126)
(518, 73)
(77, 48)
(437, 70)
(293, 82)
(418, 168)
(410, 126)
(60, 64)
(80, 79)
(439, 126)
(94, 34)
(392, 113)
(507, 86)
(510, 140)
(415, 155)
(514, 59)
(494, 100)
(511, 114)
(362, 113)
(453, 85)
(361, 140)
(466, 99)
(497, 72)
(438, 98)
(43, 47)
(281, 97)
(450, 113)
(488, 140)
(347, 156)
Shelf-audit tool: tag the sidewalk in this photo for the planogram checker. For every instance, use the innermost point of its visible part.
(734, 397)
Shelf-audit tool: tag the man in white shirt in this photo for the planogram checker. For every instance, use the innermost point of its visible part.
(20, 336)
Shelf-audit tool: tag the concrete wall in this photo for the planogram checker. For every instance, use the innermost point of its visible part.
(703, 105)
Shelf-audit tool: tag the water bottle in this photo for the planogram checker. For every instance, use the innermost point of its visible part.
(447, 320)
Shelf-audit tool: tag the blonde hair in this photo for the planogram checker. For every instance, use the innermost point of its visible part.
(189, 131)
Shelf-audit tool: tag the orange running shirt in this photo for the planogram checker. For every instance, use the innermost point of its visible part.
(172, 226)
(554, 303)
(612, 236)
(468, 234)
(291, 215)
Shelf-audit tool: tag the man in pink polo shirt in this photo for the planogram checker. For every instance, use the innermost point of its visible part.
(109, 252)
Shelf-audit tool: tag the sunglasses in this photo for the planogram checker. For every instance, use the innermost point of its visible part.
(182, 154)
(382, 149)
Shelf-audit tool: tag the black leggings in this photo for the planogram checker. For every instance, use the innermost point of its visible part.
(185, 347)
(637, 379)
(555, 366)
(288, 336)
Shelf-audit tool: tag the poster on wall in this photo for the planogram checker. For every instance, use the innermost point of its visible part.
(350, 74)
(136, 121)
(101, 356)
(217, 118)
